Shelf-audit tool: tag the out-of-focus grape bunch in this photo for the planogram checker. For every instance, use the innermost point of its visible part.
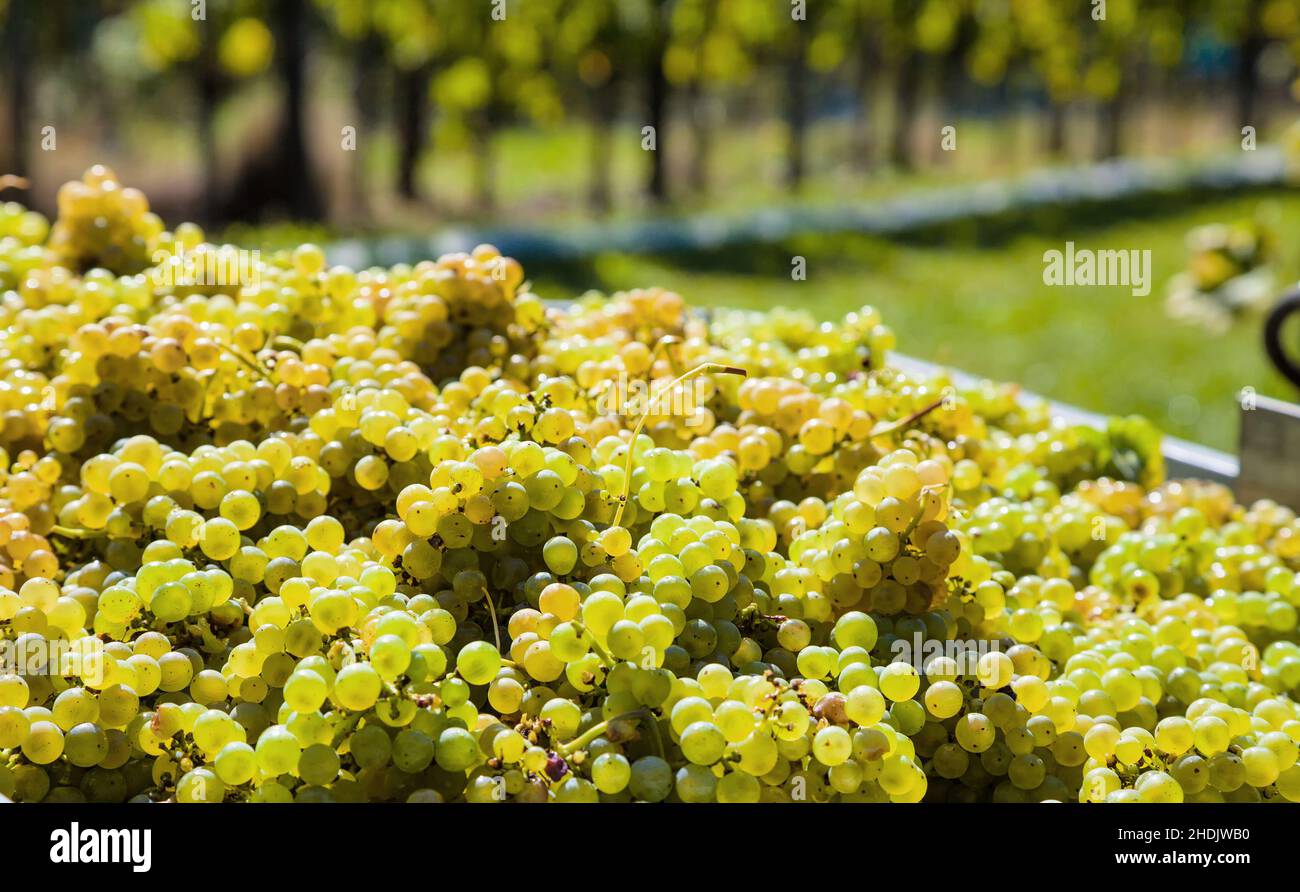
(315, 534)
(1229, 274)
(103, 224)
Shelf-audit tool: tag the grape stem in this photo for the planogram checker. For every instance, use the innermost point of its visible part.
(341, 733)
(654, 400)
(201, 408)
(664, 346)
(77, 532)
(890, 427)
(254, 366)
(656, 737)
(285, 342)
(916, 521)
(582, 740)
(583, 632)
(496, 627)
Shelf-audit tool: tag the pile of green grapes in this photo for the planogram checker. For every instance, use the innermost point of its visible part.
(412, 534)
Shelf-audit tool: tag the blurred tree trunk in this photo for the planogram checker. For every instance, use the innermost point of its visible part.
(298, 189)
(17, 49)
(366, 98)
(941, 102)
(412, 95)
(864, 141)
(906, 87)
(1057, 115)
(702, 137)
(1247, 72)
(604, 109)
(701, 130)
(209, 89)
(952, 86)
(1113, 112)
(657, 101)
(1182, 86)
(796, 109)
(1110, 127)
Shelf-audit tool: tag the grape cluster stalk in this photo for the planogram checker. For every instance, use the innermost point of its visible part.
(396, 534)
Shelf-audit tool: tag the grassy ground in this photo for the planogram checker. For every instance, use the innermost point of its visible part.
(985, 309)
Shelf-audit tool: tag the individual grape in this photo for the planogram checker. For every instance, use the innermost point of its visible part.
(899, 681)
(611, 772)
(44, 743)
(651, 779)
(855, 629)
(85, 745)
(390, 656)
(832, 746)
(456, 750)
(357, 687)
(703, 743)
(943, 699)
(478, 662)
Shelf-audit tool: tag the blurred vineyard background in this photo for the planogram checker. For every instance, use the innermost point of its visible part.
(274, 120)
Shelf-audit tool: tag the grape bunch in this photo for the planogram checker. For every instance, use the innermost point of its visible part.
(317, 534)
(103, 224)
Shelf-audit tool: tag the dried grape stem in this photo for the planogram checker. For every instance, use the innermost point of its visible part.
(881, 430)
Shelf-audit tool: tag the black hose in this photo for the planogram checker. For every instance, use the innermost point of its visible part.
(1288, 304)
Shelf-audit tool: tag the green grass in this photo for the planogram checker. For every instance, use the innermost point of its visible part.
(985, 310)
